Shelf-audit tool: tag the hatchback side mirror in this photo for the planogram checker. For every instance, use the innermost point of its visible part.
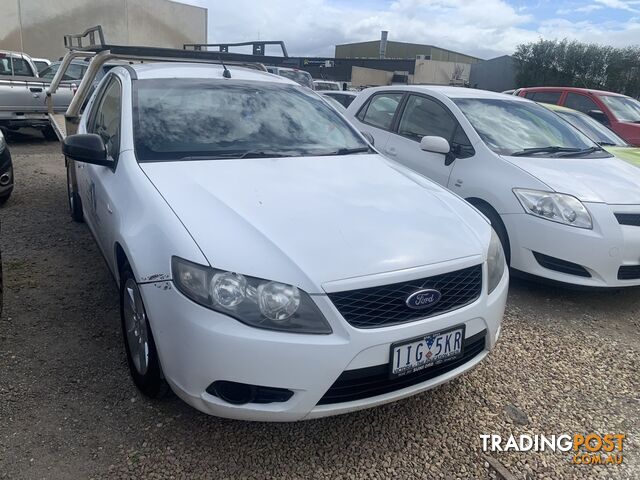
(599, 116)
(435, 144)
(87, 148)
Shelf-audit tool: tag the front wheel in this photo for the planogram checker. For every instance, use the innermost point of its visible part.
(142, 355)
(75, 204)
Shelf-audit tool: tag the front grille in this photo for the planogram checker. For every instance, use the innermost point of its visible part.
(560, 265)
(372, 381)
(632, 219)
(629, 272)
(385, 305)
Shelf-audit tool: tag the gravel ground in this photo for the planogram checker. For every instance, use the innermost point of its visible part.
(567, 362)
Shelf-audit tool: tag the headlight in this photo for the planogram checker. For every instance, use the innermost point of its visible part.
(557, 207)
(3, 142)
(495, 262)
(256, 302)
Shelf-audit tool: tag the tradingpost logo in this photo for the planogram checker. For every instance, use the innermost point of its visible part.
(587, 449)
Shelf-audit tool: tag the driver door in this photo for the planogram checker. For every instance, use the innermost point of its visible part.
(425, 116)
(105, 121)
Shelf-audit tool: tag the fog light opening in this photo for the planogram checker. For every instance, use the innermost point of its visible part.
(5, 178)
(234, 393)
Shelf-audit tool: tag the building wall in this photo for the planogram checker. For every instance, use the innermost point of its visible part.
(436, 72)
(400, 50)
(37, 27)
(497, 74)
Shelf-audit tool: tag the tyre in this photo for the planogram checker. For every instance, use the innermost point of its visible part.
(75, 204)
(142, 355)
(5, 197)
(498, 227)
(49, 133)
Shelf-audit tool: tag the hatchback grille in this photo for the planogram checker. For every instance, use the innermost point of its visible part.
(372, 381)
(560, 265)
(632, 219)
(629, 272)
(386, 305)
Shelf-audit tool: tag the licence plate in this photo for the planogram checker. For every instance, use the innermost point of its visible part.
(426, 351)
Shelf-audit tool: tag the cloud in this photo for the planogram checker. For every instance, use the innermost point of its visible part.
(584, 9)
(619, 4)
(484, 28)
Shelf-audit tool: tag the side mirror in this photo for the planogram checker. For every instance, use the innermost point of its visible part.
(599, 116)
(87, 148)
(435, 144)
(369, 137)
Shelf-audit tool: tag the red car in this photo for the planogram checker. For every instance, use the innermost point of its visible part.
(618, 112)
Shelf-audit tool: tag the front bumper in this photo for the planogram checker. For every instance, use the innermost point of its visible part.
(600, 251)
(198, 346)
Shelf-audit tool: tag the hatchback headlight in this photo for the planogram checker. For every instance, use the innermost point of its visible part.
(496, 262)
(557, 207)
(254, 301)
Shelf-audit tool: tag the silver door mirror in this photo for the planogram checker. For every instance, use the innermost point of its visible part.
(434, 144)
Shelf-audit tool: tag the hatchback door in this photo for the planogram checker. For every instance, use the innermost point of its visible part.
(377, 117)
(425, 116)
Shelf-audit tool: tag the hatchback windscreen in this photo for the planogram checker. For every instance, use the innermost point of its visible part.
(189, 119)
(593, 129)
(298, 76)
(511, 127)
(625, 109)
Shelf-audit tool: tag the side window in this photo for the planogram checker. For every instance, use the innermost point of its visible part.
(105, 117)
(544, 97)
(423, 116)
(580, 102)
(21, 67)
(380, 110)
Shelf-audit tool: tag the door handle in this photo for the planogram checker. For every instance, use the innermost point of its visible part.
(109, 209)
(36, 89)
(391, 151)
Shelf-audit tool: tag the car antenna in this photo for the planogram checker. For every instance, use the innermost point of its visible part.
(226, 73)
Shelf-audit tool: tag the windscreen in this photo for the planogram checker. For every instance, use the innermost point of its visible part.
(625, 109)
(509, 126)
(298, 76)
(592, 128)
(185, 119)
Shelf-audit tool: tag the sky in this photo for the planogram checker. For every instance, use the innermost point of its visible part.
(483, 28)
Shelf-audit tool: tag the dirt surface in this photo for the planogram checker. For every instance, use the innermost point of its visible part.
(567, 362)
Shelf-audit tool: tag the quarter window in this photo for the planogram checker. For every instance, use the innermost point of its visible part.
(380, 110)
(579, 102)
(105, 121)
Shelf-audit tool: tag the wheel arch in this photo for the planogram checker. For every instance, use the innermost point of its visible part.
(492, 214)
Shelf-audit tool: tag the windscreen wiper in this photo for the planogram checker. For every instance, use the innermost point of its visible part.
(346, 151)
(264, 154)
(584, 151)
(239, 155)
(549, 149)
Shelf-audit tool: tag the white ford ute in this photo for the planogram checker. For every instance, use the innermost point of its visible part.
(271, 264)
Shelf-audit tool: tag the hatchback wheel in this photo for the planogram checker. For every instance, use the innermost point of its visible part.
(142, 355)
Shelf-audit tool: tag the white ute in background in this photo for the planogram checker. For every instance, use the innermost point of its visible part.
(271, 264)
(564, 209)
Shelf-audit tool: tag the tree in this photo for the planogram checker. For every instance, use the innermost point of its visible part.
(576, 64)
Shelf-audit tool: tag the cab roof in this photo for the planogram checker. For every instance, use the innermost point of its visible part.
(203, 70)
(591, 91)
